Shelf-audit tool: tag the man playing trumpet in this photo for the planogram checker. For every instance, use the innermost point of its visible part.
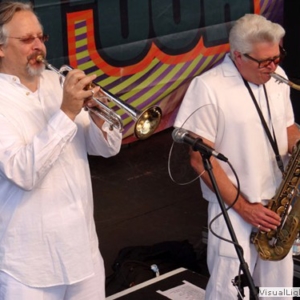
(48, 242)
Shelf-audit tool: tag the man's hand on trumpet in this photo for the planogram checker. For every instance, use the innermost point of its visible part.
(75, 93)
(92, 103)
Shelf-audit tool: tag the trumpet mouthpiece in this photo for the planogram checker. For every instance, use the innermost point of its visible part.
(40, 58)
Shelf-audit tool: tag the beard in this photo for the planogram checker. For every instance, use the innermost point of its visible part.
(37, 68)
(37, 71)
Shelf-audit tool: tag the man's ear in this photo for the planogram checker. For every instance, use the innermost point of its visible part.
(237, 54)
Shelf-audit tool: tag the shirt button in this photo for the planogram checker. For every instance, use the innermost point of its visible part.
(27, 93)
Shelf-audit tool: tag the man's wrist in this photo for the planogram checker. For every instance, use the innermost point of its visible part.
(296, 145)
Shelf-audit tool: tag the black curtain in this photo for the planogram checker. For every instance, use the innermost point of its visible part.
(291, 63)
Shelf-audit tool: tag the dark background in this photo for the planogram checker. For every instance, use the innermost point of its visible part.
(291, 63)
(137, 203)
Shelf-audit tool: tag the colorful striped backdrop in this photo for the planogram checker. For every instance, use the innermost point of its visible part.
(159, 79)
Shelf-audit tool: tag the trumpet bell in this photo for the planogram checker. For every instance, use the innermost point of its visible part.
(147, 122)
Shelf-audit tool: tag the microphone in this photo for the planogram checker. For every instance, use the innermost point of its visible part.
(181, 135)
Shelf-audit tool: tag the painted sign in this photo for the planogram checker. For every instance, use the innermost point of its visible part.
(145, 52)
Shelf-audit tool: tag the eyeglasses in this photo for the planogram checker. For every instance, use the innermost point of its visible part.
(266, 62)
(30, 39)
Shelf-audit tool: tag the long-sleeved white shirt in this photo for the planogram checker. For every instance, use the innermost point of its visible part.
(47, 230)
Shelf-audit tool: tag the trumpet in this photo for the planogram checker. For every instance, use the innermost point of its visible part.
(281, 79)
(146, 122)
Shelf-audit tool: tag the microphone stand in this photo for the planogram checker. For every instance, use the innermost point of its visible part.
(244, 266)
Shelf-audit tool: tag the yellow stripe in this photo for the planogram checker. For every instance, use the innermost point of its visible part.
(146, 83)
(82, 54)
(87, 65)
(81, 30)
(129, 80)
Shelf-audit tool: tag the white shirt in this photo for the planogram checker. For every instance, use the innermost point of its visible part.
(47, 230)
(218, 107)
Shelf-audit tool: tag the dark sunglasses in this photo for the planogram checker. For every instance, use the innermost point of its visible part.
(266, 62)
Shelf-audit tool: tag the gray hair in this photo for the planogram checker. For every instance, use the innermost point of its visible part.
(251, 29)
(7, 11)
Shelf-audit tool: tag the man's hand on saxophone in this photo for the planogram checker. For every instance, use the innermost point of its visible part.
(259, 216)
(253, 213)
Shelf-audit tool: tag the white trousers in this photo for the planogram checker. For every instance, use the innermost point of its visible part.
(92, 288)
(223, 263)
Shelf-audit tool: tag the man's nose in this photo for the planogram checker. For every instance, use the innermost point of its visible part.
(272, 65)
(38, 43)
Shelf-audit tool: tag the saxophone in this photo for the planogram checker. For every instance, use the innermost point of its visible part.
(276, 244)
(281, 79)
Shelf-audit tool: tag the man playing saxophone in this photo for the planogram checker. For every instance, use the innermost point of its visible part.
(253, 126)
(48, 241)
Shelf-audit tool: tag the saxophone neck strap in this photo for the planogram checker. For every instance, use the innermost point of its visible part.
(272, 140)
